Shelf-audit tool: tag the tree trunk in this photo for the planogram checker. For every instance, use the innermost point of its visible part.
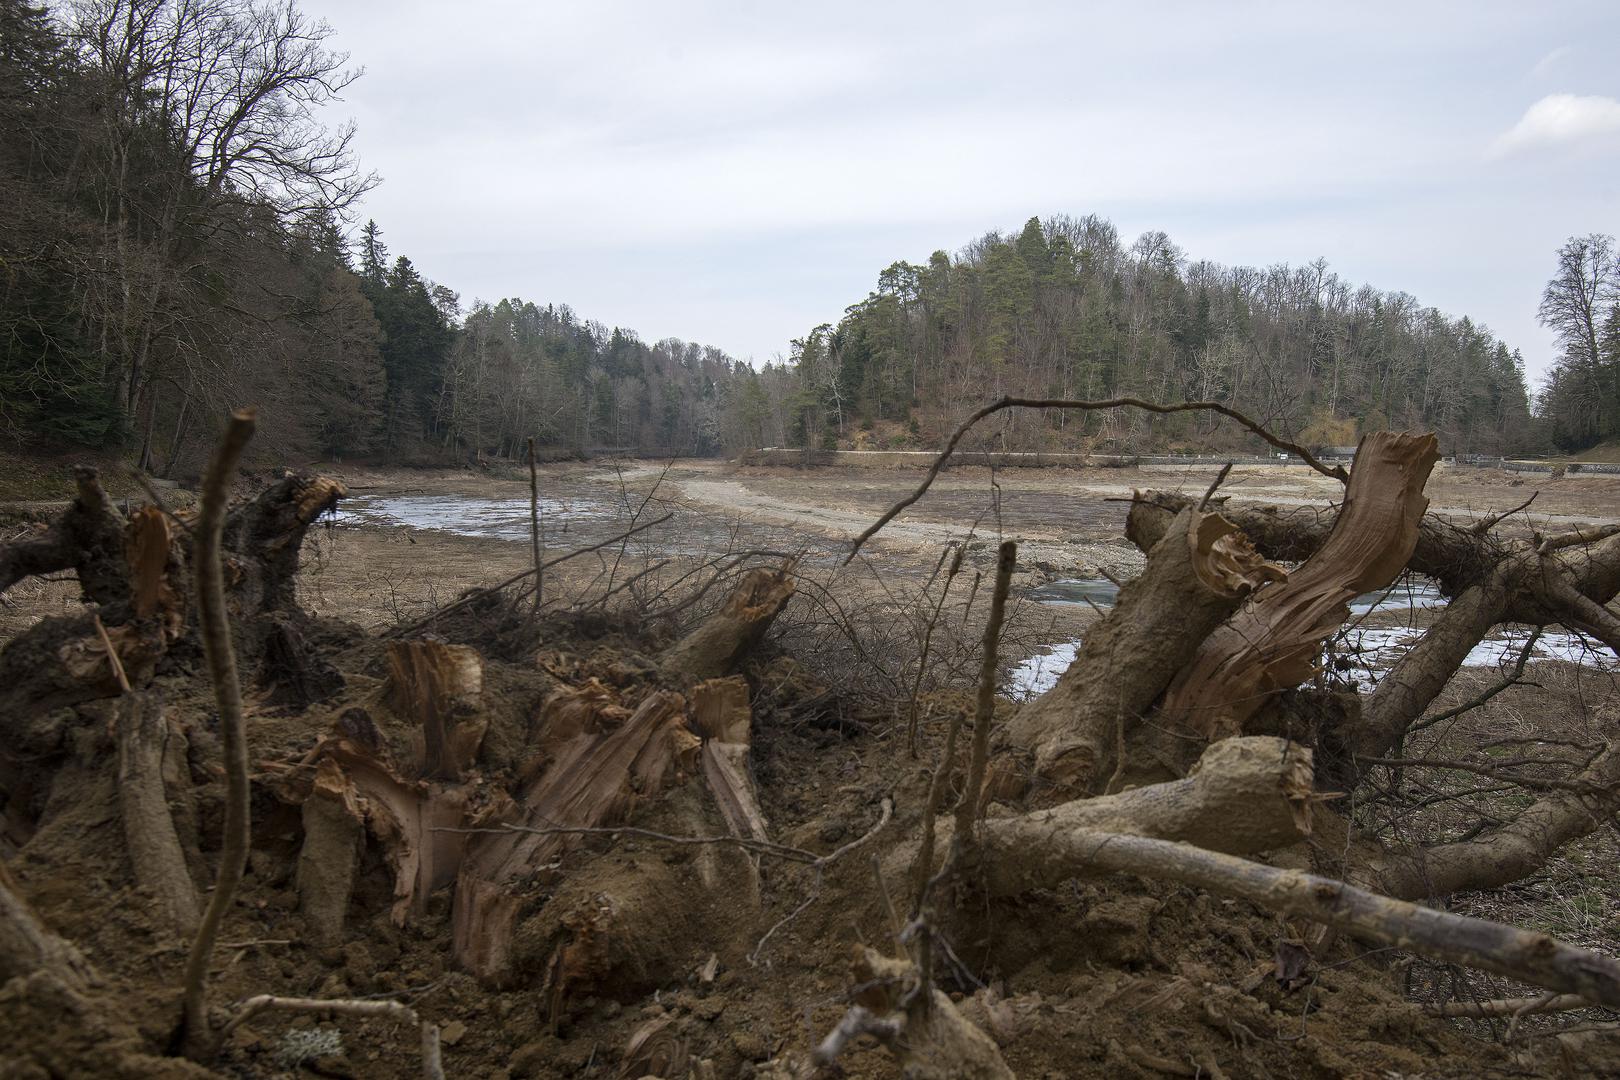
(719, 644)
(1196, 576)
(1274, 643)
(154, 846)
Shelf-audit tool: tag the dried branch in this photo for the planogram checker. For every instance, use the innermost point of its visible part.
(1504, 950)
(215, 629)
(1336, 472)
(478, 594)
(967, 811)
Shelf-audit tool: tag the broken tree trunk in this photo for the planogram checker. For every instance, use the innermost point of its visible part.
(1196, 576)
(722, 717)
(594, 777)
(1274, 642)
(721, 642)
(334, 833)
(149, 832)
(88, 539)
(439, 687)
(1517, 954)
(1245, 795)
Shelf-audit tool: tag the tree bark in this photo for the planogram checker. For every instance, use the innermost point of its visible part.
(1274, 643)
(154, 845)
(721, 642)
(1196, 576)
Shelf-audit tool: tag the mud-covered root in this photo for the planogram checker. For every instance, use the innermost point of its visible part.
(334, 835)
(918, 1024)
(1245, 795)
(149, 832)
(722, 640)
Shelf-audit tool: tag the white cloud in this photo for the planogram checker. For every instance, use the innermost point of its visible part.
(1560, 119)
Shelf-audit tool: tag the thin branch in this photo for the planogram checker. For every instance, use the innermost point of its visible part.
(1336, 472)
(215, 630)
(479, 594)
(967, 811)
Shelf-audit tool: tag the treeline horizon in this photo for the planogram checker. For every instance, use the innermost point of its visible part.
(172, 225)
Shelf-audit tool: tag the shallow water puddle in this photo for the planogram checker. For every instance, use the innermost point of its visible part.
(1363, 656)
(464, 515)
(1406, 595)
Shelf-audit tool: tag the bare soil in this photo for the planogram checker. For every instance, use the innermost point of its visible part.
(1121, 978)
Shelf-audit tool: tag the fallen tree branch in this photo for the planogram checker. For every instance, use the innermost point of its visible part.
(1336, 472)
(1508, 951)
(1569, 810)
(1480, 1010)
(1245, 795)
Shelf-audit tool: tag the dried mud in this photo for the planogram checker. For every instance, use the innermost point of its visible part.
(1119, 978)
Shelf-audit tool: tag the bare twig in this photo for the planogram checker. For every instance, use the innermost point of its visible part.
(1210, 493)
(114, 661)
(1486, 524)
(215, 630)
(534, 533)
(1336, 472)
(479, 594)
(928, 641)
(967, 811)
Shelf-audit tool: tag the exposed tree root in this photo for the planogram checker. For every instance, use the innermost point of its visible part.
(1503, 950)
(154, 846)
(722, 640)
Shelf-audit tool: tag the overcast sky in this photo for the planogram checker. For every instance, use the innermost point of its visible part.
(736, 173)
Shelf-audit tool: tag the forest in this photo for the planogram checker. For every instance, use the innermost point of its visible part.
(178, 233)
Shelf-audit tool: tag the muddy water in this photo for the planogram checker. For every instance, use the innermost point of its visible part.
(579, 521)
(463, 515)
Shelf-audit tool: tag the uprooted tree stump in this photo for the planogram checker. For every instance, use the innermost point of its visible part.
(134, 571)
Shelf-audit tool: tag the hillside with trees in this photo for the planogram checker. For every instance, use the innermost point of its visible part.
(1067, 309)
(175, 232)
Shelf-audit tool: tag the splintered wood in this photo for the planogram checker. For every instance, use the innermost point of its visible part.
(1196, 575)
(434, 684)
(1275, 641)
(596, 777)
(722, 717)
